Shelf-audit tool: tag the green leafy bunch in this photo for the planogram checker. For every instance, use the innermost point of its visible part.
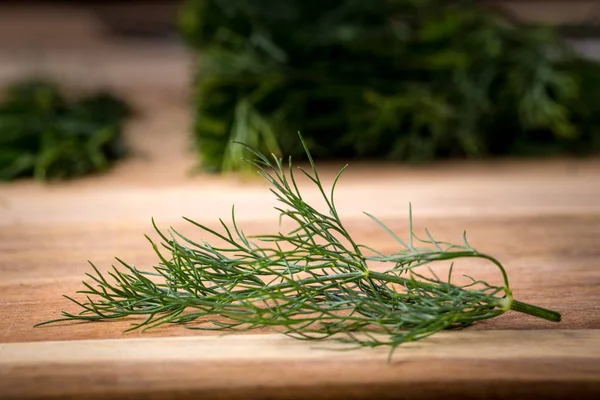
(45, 135)
(311, 282)
(409, 80)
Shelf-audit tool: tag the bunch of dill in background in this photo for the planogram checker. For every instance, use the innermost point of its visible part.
(408, 80)
(46, 136)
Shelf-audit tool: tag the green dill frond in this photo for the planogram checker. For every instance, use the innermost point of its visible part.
(312, 282)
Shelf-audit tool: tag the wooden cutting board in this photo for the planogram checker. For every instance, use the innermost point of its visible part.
(470, 364)
(540, 218)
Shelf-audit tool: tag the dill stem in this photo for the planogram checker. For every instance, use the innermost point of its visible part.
(392, 278)
(515, 305)
(535, 311)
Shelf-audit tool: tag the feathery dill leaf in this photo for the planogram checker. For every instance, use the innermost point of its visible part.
(313, 282)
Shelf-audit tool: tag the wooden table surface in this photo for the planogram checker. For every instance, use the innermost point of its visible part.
(540, 218)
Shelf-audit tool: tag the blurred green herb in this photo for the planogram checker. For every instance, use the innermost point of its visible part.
(409, 80)
(311, 283)
(44, 135)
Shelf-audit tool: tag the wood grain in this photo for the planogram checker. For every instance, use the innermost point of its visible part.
(467, 364)
(539, 217)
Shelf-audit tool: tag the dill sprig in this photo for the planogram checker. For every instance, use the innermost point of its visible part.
(313, 282)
